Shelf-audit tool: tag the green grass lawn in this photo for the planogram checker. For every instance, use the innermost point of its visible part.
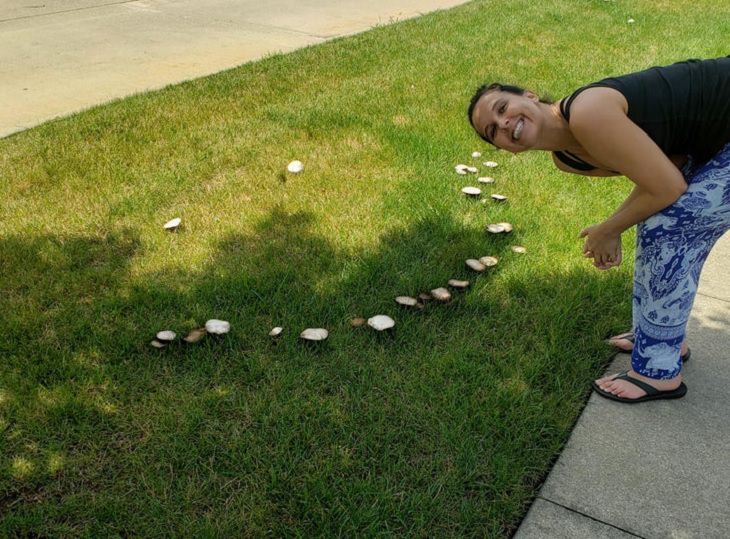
(448, 426)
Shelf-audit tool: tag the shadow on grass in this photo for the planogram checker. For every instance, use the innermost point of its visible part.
(444, 426)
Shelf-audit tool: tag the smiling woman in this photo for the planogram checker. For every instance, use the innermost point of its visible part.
(668, 130)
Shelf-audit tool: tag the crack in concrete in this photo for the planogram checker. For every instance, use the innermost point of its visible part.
(592, 518)
(68, 10)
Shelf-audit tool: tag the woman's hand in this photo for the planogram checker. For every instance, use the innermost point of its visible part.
(602, 246)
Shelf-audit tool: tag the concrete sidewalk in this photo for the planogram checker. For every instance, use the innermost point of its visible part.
(62, 56)
(658, 469)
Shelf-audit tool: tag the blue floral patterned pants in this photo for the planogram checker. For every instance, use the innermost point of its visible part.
(671, 247)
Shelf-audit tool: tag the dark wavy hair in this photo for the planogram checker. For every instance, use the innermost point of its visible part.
(499, 87)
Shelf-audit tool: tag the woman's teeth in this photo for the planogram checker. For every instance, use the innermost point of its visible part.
(518, 130)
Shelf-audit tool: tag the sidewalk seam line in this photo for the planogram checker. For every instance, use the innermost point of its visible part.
(712, 297)
(67, 10)
(590, 517)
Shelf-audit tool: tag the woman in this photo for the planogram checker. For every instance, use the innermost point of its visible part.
(667, 129)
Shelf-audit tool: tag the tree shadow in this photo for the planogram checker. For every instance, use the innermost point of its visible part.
(358, 431)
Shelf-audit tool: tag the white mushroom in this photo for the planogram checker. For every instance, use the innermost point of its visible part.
(295, 167)
(519, 249)
(456, 283)
(475, 265)
(406, 301)
(314, 334)
(489, 261)
(217, 327)
(172, 224)
(476, 155)
(441, 294)
(276, 331)
(381, 322)
(490, 164)
(471, 191)
(473, 170)
(499, 198)
(166, 336)
(485, 179)
(507, 226)
(495, 229)
(157, 344)
(461, 169)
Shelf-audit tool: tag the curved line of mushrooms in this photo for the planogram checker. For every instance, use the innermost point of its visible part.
(380, 322)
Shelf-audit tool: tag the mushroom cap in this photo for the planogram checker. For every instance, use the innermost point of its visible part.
(471, 191)
(490, 164)
(217, 327)
(485, 179)
(499, 198)
(166, 336)
(441, 294)
(381, 322)
(157, 344)
(314, 334)
(295, 167)
(407, 301)
(423, 297)
(507, 226)
(519, 249)
(357, 322)
(495, 228)
(461, 169)
(172, 224)
(195, 335)
(456, 283)
(276, 331)
(489, 260)
(474, 264)
(476, 154)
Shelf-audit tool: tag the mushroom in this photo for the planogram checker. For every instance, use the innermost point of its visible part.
(424, 297)
(441, 294)
(166, 336)
(157, 344)
(172, 224)
(495, 229)
(314, 334)
(195, 335)
(381, 322)
(295, 167)
(485, 179)
(217, 327)
(406, 301)
(473, 170)
(507, 226)
(471, 191)
(519, 249)
(456, 283)
(490, 164)
(276, 332)
(489, 261)
(476, 155)
(357, 322)
(461, 169)
(474, 264)
(499, 198)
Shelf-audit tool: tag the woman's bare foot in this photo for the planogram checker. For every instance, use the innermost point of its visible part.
(627, 390)
(625, 342)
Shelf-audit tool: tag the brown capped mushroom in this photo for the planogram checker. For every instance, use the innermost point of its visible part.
(195, 335)
(489, 261)
(475, 265)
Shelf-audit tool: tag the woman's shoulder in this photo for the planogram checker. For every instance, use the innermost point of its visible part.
(597, 101)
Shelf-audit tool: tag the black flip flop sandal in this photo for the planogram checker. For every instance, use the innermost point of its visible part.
(651, 392)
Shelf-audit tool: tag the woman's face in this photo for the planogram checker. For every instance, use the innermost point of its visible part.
(510, 121)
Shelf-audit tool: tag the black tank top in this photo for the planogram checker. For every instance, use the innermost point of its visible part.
(683, 107)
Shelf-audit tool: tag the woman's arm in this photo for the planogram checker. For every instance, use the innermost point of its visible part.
(599, 123)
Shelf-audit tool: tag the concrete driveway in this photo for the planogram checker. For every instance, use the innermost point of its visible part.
(62, 56)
